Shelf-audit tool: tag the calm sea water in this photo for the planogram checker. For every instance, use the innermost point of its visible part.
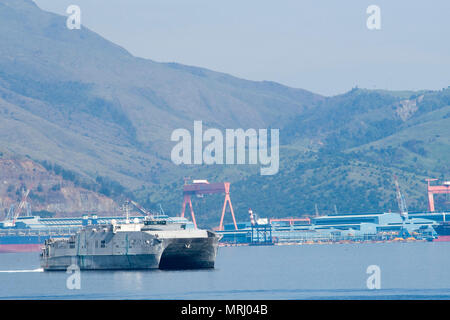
(331, 271)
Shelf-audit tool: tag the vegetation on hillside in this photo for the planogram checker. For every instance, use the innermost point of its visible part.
(101, 119)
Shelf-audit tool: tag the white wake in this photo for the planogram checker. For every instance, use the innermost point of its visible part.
(15, 271)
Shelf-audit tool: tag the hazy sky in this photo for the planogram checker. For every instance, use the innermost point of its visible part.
(319, 45)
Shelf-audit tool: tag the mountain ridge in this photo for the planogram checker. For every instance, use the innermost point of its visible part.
(71, 99)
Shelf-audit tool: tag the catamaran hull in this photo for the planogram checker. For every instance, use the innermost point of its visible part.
(104, 262)
(179, 254)
(190, 253)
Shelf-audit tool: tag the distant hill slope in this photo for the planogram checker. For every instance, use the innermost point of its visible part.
(72, 100)
(51, 194)
(342, 154)
(345, 152)
(88, 104)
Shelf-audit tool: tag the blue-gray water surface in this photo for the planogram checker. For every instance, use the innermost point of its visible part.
(327, 271)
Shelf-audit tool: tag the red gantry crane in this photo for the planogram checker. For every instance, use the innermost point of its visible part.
(201, 187)
(432, 190)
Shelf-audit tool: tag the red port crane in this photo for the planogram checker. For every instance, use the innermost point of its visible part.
(432, 190)
(202, 187)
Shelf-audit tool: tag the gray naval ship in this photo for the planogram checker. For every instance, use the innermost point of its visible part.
(150, 244)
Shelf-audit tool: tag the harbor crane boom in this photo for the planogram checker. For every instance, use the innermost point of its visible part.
(400, 200)
(21, 205)
(139, 207)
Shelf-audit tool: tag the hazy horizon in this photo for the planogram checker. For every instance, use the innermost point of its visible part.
(325, 49)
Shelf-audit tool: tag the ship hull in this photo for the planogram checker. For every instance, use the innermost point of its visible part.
(15, 243)
(443, 231)
(24, 242)
(442, 239)
(197, 253)
(106, 248)
(12, 248)
(178, 254)
(104, 262)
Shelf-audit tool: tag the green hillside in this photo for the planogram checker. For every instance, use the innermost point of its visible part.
(96, 109)
(74, 101)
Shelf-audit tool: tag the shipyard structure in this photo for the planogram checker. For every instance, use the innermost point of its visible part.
(347, 227)
(25, 232)
(338, 228)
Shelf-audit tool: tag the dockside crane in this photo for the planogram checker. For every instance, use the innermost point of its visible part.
(14, 212)
(139, 207)
(400, 200)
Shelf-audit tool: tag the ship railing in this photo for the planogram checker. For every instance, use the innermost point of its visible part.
(39, 232)
(51, 232)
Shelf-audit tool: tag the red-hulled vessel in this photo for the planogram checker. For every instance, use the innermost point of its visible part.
(443, 231)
